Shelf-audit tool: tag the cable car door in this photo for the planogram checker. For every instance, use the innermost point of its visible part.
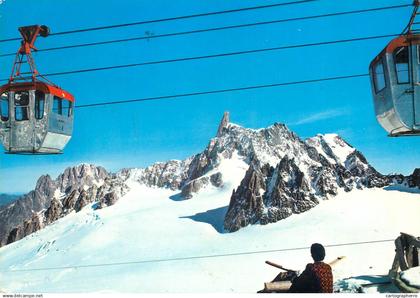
(416, 79)
(5, 118)
(22, 121)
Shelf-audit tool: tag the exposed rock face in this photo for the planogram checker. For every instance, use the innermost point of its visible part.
(194, 186)
(16, 213)
(414, 180)
(224, 123)
(264, 145)
(83, 175)
(52, 199)
(171, 174)
(70, 201)
(291, 189)
(82, 201)
(217, 179)
(108, 200)
(187, 176)
(45, 186)
(250, 195)
(316, 170)
(358, 167)
(190, 175)
(54, 211)
(32, 225)
(14, 235)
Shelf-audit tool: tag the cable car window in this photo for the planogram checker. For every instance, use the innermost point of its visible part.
(401, 65)
(4, 106)
(21, 105)
(418, 54)
(379, 76)
(58, 105)
(39, 104)
(67, 107)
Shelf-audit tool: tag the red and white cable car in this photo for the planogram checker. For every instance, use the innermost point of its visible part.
(36, 115)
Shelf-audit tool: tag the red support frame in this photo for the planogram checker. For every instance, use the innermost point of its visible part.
(409, 28)
(29, 35)
(19, 82)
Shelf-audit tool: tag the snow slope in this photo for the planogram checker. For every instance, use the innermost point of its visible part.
(133, 242)
(412, 277)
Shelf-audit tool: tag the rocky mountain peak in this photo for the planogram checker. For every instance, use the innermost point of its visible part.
(171, 174)
(81, 175)
(267, 144)
(45, 186)
(51, 199)
(302, 173)
(414, 180)
(223, 123)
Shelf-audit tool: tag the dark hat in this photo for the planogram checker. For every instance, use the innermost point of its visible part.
(317, 252)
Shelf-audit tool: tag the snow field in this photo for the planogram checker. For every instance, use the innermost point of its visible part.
(149, 226)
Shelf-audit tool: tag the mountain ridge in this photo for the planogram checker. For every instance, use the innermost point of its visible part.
(286, 175)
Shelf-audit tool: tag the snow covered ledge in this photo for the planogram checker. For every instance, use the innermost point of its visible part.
(406, 259)
(411, 279)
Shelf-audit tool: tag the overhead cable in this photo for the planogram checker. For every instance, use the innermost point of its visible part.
(205, 14)
(218, 91)
(151, 36)
(136, 262)
(192, 58)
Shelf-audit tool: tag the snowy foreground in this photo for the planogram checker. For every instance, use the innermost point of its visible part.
(151, 241)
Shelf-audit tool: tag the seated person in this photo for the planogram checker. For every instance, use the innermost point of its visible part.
(317, 277)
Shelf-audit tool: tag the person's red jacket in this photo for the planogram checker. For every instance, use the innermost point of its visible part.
(316, 278)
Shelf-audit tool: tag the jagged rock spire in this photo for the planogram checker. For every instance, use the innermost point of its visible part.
(415, 178)
(225, 121)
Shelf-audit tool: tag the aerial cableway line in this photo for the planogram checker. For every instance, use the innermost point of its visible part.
(172, 34)
(209, 92)
(198, 15)
(232, 254)
(219, 55)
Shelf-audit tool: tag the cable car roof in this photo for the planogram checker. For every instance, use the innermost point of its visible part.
(38, 85)
(400, 41)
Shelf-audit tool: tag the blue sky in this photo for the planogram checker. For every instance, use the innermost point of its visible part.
(138, 134)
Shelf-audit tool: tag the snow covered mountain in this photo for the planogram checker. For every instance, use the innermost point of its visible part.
(89, 230)
(53, 199)
(303, 173)
(285, 175)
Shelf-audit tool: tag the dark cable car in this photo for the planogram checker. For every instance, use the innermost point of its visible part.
(395, 82)
(36, 115)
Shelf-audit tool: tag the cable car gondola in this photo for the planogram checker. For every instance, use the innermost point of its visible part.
(395, 82)
(36, 115)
